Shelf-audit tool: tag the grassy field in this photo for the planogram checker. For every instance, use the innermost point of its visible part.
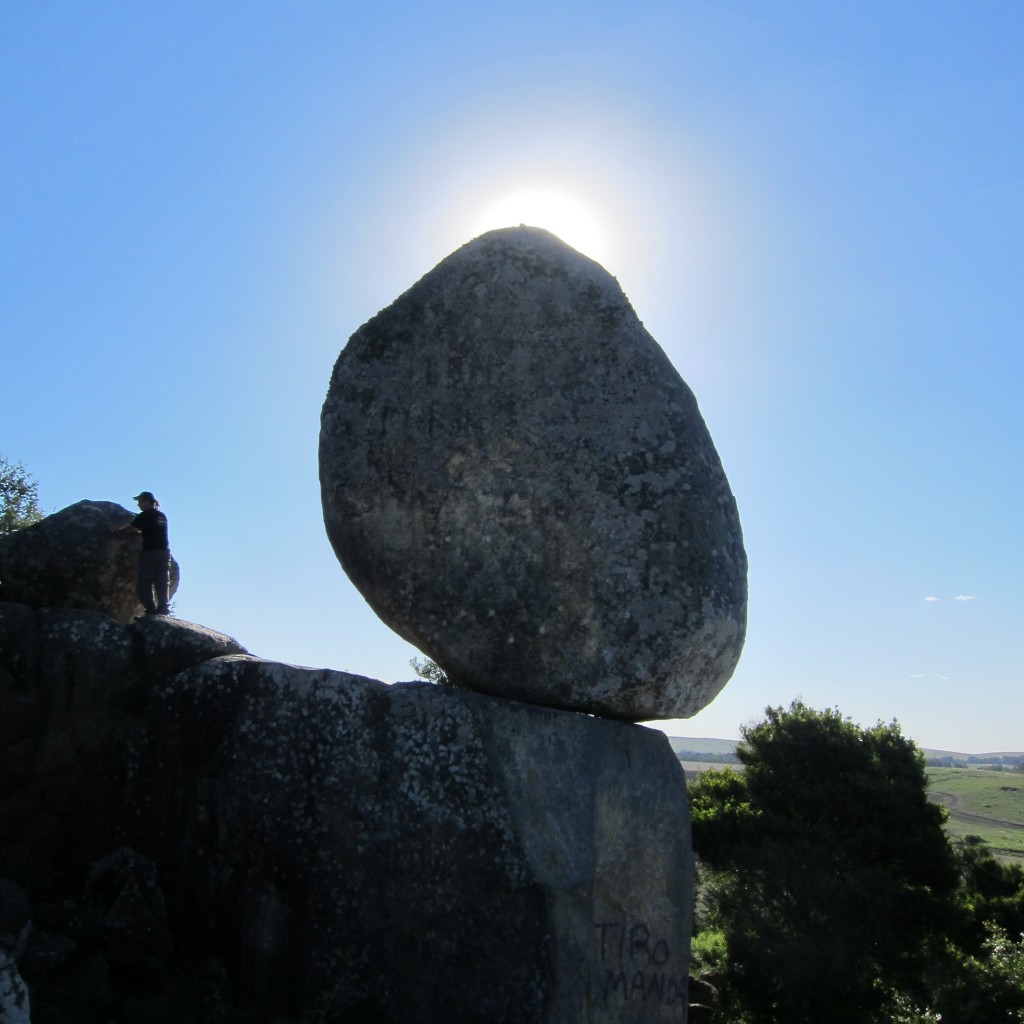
(982, 803)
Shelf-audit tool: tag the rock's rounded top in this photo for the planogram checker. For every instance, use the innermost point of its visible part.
(520, 484)
(172, 645)
(71, 559)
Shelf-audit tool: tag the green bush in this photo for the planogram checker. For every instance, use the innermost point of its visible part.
(19, 497)
(828, 870)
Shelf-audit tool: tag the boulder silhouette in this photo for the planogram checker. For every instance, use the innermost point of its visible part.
(305, 839)
(520, 484)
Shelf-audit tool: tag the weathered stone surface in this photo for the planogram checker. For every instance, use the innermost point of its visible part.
(71, 560)
(170, 645)
(14, 995)
(65, 677)
(417, 853)
(15, 926)
(72, 681)
(323, 841)
(520, 484)
(15, 918)
(123, 893)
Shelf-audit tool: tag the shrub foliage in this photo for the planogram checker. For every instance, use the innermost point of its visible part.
(19, 497)
(831, 887)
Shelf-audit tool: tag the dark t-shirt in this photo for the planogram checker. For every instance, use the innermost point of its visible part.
(153, 524)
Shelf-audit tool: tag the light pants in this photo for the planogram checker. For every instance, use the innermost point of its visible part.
(153, 581)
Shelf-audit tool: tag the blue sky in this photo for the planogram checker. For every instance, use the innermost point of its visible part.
(816, 209)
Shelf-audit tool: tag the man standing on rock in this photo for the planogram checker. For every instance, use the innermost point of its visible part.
(155, 560)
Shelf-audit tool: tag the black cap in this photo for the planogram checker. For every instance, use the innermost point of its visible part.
(148, 495)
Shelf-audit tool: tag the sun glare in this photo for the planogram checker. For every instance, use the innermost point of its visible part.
(554, 212)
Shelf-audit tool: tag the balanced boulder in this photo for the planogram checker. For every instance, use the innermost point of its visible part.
(519, 483)
(71, 559)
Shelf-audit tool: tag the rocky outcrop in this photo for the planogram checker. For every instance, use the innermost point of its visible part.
(72, 560)
(73, 683)
(520, 484)
(197, 824)
(414, 853)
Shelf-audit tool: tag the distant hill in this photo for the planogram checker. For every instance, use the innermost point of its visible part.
(956, 759)
(704, 745)
(697, 754)
(693, 748)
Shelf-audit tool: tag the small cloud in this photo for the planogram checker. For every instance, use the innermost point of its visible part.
(930, 675)
(929, 598)
(965, 597)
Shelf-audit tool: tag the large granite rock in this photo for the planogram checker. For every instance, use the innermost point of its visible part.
(316, 845)
(520, 484)
(411, 853)
(72, 560)
(72, 681)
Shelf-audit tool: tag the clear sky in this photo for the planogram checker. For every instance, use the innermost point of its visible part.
(816, 208)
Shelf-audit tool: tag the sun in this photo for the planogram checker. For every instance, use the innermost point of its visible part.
(555, 212)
